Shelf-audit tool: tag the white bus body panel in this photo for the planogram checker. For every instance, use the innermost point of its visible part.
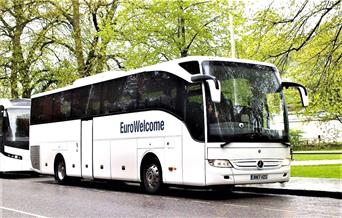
(193, 160)
(101, 158)
(58, 138)
(8, 164)
(124, 159)
(125, 150)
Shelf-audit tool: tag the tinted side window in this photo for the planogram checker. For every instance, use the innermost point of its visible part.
(129, 97)
(94, 105)
(62, 106)
(161, 90)
(36, 110)
(79, 102)
(194, 116)
(42, 109)
(192, 67)
(111, 92)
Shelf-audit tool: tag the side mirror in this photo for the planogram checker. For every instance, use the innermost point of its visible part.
(213, 83)
(302, 90)
(215, 90)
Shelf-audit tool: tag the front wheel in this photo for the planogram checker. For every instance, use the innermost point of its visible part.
(60, 171)
(152, 178)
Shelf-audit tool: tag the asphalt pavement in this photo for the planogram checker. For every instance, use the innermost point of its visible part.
(43, 197)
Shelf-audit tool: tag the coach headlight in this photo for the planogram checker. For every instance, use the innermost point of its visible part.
(220, 163)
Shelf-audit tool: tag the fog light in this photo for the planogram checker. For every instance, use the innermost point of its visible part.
(220, 163)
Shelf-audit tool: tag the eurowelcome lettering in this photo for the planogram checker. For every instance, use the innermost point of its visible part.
(142, 126)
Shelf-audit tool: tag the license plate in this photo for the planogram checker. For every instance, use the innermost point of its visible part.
(258, 177)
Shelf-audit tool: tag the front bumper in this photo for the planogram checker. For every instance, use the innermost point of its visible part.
(233, 176)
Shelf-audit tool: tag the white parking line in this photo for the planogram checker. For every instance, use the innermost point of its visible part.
(282, 210)
(236, 205)
(23, 212)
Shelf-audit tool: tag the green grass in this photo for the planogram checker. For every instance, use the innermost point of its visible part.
(319, 171)
(300, 157)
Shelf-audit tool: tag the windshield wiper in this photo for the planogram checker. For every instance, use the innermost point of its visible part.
(241, 136)
(224, 144)
(257, 136)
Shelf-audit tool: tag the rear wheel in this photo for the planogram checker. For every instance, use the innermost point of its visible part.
(60, 171)
(152, 178)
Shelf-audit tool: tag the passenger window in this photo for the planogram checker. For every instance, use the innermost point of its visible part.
(119, 95)
(62, 106)
(94, 105)
(192, 67)
(129, 96)
(43, 110)
(160, 90)
(80, 102)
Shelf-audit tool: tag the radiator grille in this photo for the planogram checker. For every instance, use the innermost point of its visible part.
(252, 164)
(35, 157)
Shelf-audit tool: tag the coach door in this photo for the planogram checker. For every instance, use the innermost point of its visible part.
(87, 148)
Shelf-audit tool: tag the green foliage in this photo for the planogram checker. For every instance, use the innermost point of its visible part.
(317, 146)
(163, 30)
(239, 90)
(296, 138)
(301, 157)
(319, 171)
(305, 44)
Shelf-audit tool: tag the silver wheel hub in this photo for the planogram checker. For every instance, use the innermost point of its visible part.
(61, 171)
(152, 176)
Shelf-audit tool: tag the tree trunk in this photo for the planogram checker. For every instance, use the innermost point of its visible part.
(78, 39)
(17, 61)
(182, 37)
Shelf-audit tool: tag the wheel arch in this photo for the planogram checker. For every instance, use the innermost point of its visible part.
(149, 157)
(58, 157)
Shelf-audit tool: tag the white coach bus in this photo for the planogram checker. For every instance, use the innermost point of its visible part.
(199, 121)
(14, 135)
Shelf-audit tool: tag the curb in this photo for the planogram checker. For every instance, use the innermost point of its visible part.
(311, 193)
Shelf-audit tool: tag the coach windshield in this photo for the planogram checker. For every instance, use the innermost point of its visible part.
(17, 132)
(252, 107)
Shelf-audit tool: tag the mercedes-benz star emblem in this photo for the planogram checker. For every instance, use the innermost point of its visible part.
(260, 164)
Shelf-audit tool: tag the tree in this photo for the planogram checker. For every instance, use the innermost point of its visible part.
(23, 27)
(163, 30)
(307, 45)
(82, 35)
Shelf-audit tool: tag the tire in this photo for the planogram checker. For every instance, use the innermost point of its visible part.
(152, 178)
(60, 171)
